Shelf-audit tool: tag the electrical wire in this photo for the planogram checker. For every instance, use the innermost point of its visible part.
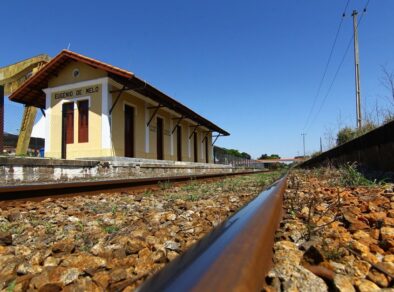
(327, 64)
(339, 66)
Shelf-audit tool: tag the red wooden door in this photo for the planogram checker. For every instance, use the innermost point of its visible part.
(129, 131)
(67, 127)
(179, 143)
(159, 144)
(195, 147)
(206, 150)
(83, 121)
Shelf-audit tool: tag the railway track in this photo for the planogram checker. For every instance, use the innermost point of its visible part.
(235, 256)
(238, 250)
(40, 191)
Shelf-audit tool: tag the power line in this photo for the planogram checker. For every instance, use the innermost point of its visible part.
(339, 66)
(365, 7)
(327, 64)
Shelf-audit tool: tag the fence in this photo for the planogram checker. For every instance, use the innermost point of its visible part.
(373, 150)
(222, 157)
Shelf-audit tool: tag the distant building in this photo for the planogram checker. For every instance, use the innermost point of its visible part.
(93, 109)
(10, 141)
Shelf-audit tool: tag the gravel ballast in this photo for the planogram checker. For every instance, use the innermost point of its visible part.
(112, 241)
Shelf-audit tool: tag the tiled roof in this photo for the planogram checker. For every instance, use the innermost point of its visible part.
(30, 93)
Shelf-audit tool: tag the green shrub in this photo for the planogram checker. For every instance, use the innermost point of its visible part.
(351, 177)
(345, 135)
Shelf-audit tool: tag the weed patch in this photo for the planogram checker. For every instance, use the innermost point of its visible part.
(192, 197)
(111, 229)
(190, 187)
(164, 185)
(351, 177)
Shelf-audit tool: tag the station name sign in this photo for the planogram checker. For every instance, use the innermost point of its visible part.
(77, 92)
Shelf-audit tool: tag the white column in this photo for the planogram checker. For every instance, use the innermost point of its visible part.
(106, 100)
(48, 94)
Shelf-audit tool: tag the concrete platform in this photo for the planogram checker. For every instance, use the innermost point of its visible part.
(39, 161)
(142, 162)
(26, 170)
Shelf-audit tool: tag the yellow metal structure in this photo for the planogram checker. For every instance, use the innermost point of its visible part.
(11, 77)
(29, 115)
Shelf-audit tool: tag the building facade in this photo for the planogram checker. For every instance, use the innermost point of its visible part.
(93, 109)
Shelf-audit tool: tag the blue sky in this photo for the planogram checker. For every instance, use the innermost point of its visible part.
(252, 67)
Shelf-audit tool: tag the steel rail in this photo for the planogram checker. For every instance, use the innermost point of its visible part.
(235, 256)
(17, 192)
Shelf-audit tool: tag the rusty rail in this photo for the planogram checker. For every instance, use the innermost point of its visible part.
(235, 256)
(17, 192)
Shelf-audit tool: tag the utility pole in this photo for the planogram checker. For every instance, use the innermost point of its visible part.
(321, 146)
(357, 70)
(303, 141)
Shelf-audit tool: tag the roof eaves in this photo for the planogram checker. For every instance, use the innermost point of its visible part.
(191, 114)
(43, 74)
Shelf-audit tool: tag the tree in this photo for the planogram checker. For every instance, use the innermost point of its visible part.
(272, 156)
(329, 137)
(345, 135)
(388, 118)
(246, 155)
(236, 153)
(388, 82)
(368, 126)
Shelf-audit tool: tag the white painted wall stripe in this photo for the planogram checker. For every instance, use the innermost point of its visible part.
(106, 142)
(47, 121)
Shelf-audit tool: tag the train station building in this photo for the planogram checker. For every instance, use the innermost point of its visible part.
(93, 109)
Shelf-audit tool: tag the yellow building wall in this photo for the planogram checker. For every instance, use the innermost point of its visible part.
(66, 76)
(201, 133)
(93, 148)
(210, 152)
(166, 134)
(117, 128)
(153, 135)
(185, 142)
